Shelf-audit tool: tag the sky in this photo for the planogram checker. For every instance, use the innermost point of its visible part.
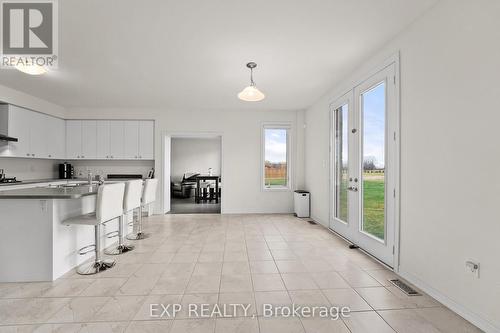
(275, 145)
(374, 124)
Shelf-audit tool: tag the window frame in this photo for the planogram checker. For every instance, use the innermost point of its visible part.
(289, 132)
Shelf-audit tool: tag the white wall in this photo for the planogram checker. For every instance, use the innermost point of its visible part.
(450, 111)
(28, 169)
(195, 155)
(241, 136)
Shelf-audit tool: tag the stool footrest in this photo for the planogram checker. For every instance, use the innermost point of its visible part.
(112, 234)
(86, 249)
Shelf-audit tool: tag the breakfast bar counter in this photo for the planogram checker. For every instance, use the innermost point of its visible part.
(36, 244)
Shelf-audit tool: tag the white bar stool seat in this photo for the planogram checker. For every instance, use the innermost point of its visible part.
(131, 201)
(148, 197)
(109, 206)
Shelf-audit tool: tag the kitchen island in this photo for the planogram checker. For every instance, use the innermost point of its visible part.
(36, 245)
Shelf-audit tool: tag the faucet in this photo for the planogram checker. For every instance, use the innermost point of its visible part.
(89, 177)
(2, 175)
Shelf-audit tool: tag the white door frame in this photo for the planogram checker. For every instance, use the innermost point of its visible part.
(166, 161)
(348, 95)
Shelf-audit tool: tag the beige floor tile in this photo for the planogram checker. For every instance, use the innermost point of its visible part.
(137, 286)
(382, 276)
(346, 298)
(236, 283)
(299, 281)
(329, 280)
(263, 267)
(79, 309)
(29, 310)
(235, 268)
(119, 308)
(367, 322)
(193, 326)
(290, 266)
(204, 284)
(422, 301)
(23, 290)
(275, 298)
(179, 269)
(318, 265)
(308, 298)
(192, 305)
(171, 285)
(207, 268)
(211, 256)
(67, 288)
(185, 257)
(277, 245)
(120, 270)
(446, 321)
(280, 325)
(149, 326)
(379, 298)
(267, 282)
(407, 321)
(235, 256)
(283, 255)
(324, 325)
(256, 255)
(151, 308)
(104, 287)
(246, 299)
(150, 270)
(237, 325)
(359, 278)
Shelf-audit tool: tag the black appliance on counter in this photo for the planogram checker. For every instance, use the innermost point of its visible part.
(123, 176)
(66, 171)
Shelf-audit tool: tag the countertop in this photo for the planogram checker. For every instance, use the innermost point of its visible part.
(50, 192)
(35, 181)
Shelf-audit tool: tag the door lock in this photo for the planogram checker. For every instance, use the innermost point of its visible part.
(353, 188)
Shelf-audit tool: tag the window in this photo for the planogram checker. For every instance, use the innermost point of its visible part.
(276, 140)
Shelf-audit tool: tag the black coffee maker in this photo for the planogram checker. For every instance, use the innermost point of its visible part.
(66, 171)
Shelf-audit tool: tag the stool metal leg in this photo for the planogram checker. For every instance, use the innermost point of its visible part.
(99, 264)
(139, 234)
(122, 247)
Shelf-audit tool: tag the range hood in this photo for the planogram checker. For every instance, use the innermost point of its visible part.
(7, 138)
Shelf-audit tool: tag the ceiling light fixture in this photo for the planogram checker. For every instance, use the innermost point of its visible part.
(31, 69)
(251, 93)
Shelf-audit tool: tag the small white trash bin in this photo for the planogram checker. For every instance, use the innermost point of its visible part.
(301, 203)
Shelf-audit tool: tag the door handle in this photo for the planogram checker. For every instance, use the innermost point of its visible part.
(353, 188)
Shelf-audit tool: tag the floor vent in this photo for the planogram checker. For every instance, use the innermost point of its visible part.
(312, 222)
(405, 288)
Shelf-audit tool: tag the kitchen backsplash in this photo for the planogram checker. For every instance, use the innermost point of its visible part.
(27, 168)
(106, 167)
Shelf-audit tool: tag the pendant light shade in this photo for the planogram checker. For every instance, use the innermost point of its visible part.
(251, 93)
(31, 69)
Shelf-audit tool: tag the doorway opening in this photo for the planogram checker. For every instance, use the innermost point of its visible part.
(195, 175)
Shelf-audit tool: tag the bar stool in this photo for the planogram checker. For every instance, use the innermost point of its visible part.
(148, 197)
(131, 201)
(109, 206)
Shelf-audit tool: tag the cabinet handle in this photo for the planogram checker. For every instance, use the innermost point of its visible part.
(32, 154)
(50, 155)
(28, 154)
(83, 156)
(140, 156)
(112, 157)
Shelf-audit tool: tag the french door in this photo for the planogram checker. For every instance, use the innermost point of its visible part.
(364, 165)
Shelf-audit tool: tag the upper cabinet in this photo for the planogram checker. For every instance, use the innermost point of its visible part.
(110, 139)
(39, 135)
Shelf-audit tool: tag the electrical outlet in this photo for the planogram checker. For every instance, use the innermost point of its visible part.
(472, 267)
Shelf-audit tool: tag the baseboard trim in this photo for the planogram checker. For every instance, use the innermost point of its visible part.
(459, 309)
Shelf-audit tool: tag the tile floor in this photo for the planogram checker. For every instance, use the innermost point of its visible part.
(226, 259)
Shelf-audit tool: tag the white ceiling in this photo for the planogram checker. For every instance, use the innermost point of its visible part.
(190, 54)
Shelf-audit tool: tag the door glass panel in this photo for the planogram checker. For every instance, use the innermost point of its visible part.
(341, 162)
(373, 104)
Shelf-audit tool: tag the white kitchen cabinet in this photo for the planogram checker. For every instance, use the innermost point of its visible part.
(39, 135)
(116, 144)
(73, 139)
(103, 138)
(130, 139)
(56, 137)
(89, 139)
(146, 139)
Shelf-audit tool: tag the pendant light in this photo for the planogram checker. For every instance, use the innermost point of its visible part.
(31, 69)
(251, 93)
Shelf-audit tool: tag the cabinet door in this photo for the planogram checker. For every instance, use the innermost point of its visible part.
(116, 139)
(73, 139)
(19, 120)
(60, 139)
(38, 135)
(146, 140)
(89, 139)
(131, 139)
(103, 139)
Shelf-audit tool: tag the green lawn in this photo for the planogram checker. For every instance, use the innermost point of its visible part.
(373, 202)
(373, 206)
(275, 181)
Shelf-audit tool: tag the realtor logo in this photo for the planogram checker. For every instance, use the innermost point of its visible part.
(29, 33)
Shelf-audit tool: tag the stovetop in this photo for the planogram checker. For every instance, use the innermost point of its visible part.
(9, 180)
